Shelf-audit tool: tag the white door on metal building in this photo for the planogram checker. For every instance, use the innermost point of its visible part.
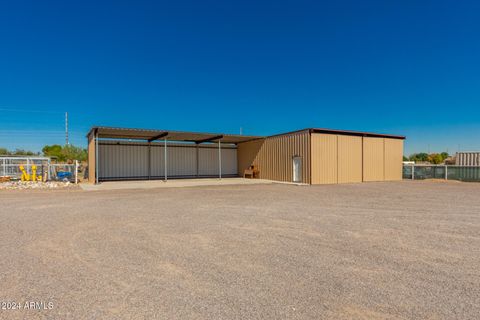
(297, 169)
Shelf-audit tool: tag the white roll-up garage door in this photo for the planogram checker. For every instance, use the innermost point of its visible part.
(128, 160)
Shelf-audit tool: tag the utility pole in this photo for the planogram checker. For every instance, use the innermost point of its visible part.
(66, 128)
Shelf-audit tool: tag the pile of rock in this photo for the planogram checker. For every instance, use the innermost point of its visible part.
(35, 185)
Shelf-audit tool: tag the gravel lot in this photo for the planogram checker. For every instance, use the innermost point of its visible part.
(403, 250)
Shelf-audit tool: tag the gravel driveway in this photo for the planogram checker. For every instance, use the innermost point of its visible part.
(403, 250)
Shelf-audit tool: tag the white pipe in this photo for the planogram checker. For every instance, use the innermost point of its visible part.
(76, 171)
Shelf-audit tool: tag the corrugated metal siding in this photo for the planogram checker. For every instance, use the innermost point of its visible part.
(130, 160)
(247, 153)
(181, 161)
(393, 159)
(91, 159)
(373, 159)
(208, 161)
(124, 161)
(349, 159)
(324, 158)
(273, 156)
(470, 159)
(229, 161)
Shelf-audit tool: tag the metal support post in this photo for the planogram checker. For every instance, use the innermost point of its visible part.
(219, 160)
(446, 172)
(96, 158)
(149, 161)
(165, 158)
(197, 159)
(413, 172)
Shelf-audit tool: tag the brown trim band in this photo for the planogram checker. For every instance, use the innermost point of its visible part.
(356, 133)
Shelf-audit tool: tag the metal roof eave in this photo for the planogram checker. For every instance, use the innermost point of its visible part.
(150, 135)
(355, 133)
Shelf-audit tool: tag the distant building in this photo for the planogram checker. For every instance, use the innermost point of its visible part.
(450, 161)
(470, 159)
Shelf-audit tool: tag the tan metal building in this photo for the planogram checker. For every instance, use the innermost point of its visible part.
(311, 156)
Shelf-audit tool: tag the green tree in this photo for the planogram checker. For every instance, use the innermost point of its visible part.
(405, 158)
(419, 157)
(54, 150)
(65, 153)
(71, 152)
(22, 152)
(435, 158)
(17, 152)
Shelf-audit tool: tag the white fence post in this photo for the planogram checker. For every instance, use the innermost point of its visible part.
(76, 171)
(413, 172)
(446, 172)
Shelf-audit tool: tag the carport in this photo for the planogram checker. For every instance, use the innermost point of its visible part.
(143, 154)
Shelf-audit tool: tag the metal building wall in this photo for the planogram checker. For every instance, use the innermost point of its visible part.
(469, 159)
(247, 153)
(348, 159)
(373, 159)
(91, 158)
(393, 159)
(350, 152)
(324, 158)
(336, 158)
(273, 156)
(181, 161)
(208, 161)
(122, 161)
(131, 160)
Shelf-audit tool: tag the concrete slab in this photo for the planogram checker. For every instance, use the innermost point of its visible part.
(174, 183)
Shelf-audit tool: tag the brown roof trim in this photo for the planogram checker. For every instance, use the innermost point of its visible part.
(355, 133)
(287, 133)
(245, 138)
(151, 134)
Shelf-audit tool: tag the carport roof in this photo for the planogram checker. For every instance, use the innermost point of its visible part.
(152, 135)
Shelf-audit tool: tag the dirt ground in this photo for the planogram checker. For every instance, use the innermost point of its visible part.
(403, 250)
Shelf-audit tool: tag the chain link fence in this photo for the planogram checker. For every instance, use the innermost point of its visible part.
(460, 173)
(11, 167)
(64, 172)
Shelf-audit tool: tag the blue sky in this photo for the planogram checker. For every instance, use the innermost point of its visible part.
(399, 67)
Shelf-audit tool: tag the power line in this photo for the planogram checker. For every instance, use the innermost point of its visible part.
(29, 110)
